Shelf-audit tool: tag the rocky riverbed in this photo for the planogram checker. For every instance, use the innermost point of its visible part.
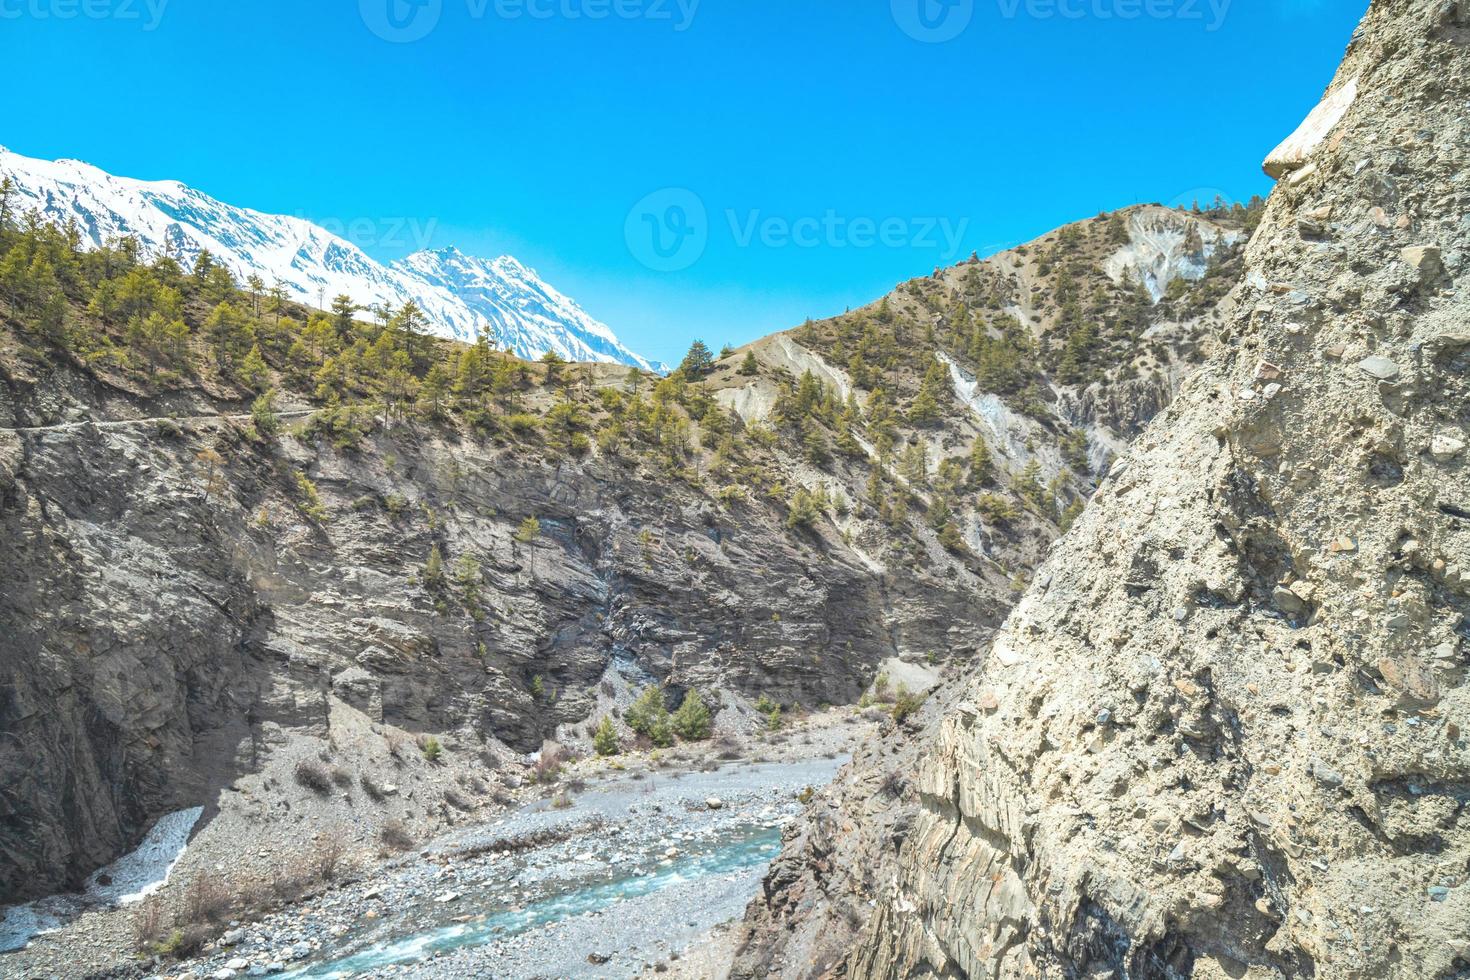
(623, 866)
(602, 884)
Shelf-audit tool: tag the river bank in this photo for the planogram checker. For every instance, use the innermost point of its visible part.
(620, 868)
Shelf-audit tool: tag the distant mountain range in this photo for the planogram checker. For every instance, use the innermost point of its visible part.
(460, 294)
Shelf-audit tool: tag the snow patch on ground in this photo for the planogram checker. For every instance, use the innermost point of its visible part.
(131, 878)
(136, 875)
(20, 923)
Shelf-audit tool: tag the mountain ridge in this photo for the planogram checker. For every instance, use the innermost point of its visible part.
(502, 297)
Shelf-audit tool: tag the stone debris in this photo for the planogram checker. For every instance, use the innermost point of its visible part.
(1379, 367)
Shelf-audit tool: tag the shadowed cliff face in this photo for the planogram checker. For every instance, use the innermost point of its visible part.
(159, 641)
(1223, 734)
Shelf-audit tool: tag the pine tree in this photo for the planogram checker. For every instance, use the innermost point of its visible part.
(343, 310)
(805, 509)
(257, 287)
(914, 467)
(749, 367)
(1030, 486)
(263, 413)
(228, 333)
(253, 370)
(529, 530)
(649, 712)
(698, 362)
(817, 451)
(949, 537)
(982, 468)
(409, 324)
(7, 190)
(692, 722)
(434, 390)
(606, 739)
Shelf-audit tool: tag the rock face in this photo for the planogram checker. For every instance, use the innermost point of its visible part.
(1223, 734)
(184, 601)
(157, 643)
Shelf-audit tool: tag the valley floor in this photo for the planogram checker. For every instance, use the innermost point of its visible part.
(627, 867)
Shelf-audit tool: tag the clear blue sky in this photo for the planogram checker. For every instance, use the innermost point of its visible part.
(513, 126)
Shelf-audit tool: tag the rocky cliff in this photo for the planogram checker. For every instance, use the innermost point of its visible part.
(1223, 733)
(193, 590)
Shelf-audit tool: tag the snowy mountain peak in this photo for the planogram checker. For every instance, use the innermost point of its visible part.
(461, 295)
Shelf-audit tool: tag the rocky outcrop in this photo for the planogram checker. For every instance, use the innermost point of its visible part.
(1223, 734)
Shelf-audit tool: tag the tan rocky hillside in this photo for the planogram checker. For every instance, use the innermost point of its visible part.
(408, 538)
(1223, 735)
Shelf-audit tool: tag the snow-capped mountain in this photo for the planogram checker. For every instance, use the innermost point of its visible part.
(459, 294)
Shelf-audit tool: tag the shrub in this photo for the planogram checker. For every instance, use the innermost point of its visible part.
(206, 900)
(149, 925)
(430, 747)
(520, 423)
(692, 722)
(311, 501)
(395, 836)
(548, 766)
(773, 720)
(434, 568)
(314, 776)
(328, 856)
(906, 704)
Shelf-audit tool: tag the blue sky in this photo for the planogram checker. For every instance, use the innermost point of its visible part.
(817, 152)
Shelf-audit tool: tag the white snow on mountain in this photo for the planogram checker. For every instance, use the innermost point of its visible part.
(461, 295)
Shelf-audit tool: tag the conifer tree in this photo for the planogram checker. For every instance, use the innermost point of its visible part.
(698, 362)
(606, 739)
(343, 310)
(749, 367)
(692, 722)
(982, 468)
